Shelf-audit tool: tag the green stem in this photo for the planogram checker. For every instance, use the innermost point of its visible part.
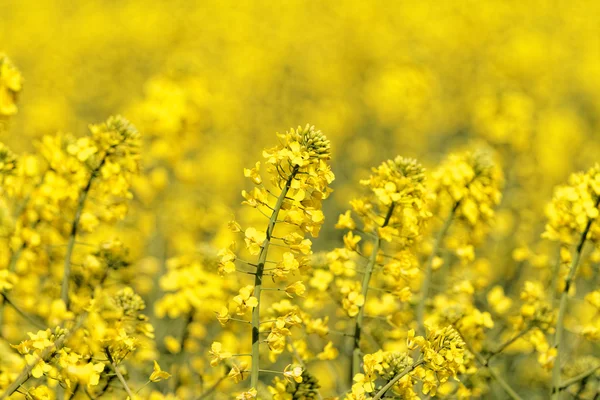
(578, 378)
(211, 389)
(355, 367)
(429, 269)
(22, 313)
(64, 292)
(485, 363)
(262, 258)
(119, 374)
(564, 298)
(508, 343)
(395, 379)
(182, 355)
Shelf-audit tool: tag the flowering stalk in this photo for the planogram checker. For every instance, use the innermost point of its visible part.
(429, 269)
(396, 378)
(564, 298)
(114, 143)
(581, 377)
(22, 313)
(262, 258)
(365, 289)
(64, 292)
(298, 168)
(485, 363)
(119, 374)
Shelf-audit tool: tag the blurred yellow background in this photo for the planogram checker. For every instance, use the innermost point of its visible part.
(208, 83)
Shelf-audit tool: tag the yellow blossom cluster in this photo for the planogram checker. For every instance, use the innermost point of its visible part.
(573, 206)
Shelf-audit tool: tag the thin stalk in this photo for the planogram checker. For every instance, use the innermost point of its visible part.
(508, 343)
(395, 379)
(429, 269)
(64, 292)
(211, 389)
(484, 363)
(22, 313)
(564, 298)
(262, 258)
(578, 378)
(119, 374)
(181, 357)
(365, 291)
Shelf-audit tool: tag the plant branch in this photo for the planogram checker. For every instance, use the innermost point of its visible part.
(429, 269)
(355, 367)
(395, 379)
(564, 298)
(64, 291)
(484, 363)
(262, 258)
(22, 313)
(119, 374)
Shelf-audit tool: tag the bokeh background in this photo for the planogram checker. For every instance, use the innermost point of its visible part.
(208, 83)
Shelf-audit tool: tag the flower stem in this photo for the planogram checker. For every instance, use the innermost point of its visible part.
(578, 378)
(485, 363)
(564, 298)
(429, 269)
(119, 374)
(262, 258)
(355, 367)
(30, 319)
(395, 379)
(508, 343)
(64, 291)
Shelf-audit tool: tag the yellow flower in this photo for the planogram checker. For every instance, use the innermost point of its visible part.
(254, 240)
(217, 355)
(249, 395)
(238, 372)
(39, 366)
(172, 344)
(296, 288)
(328, 353)
(223, 316)
(245, 300)
(293, 373)
(158, 374)
(254, 174)
(88, 374)
(42, 392)
(227, 261)
(351, 241)
(345, 221)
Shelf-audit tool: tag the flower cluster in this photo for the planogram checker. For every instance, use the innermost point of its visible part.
(443, 353)
(467, 185)
(573, 206)
(291, 198)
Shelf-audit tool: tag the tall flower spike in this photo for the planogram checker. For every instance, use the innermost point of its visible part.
(394, 212)
(300, 177)
(111, 155)
(572, 218)
(467, 188)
